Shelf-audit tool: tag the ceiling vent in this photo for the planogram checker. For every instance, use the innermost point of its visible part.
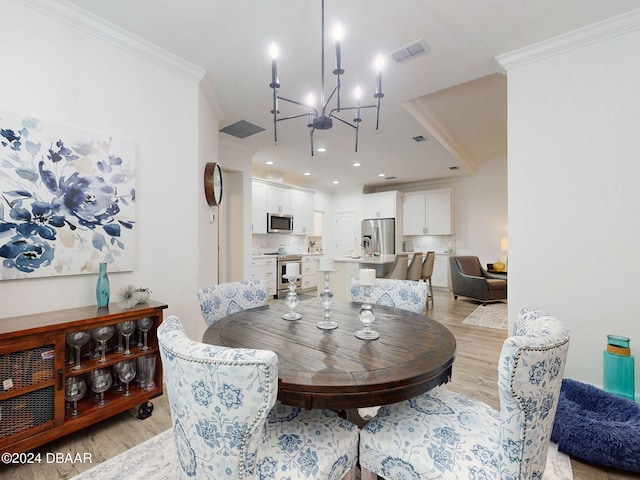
(412, 50)
(242, 129)
(420, 138)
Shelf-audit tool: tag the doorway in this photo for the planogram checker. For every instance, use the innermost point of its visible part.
(230, 232)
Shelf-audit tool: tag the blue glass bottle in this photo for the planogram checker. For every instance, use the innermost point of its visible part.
(102, 287)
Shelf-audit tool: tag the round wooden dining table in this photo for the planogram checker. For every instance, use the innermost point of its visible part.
(333, 369)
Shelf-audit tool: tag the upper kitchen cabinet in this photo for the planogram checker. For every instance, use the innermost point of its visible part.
(282, 199)
(279, 200)
(258, 207)
(428, 213)
(382, 205)
(302, 204)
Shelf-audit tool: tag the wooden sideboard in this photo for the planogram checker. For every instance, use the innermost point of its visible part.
(35, 363)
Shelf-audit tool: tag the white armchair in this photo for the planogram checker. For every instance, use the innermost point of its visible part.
(441, 434)
(227, 424)
(221, 300)
(404, 294)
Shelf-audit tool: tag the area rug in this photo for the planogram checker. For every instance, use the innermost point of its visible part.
(492, 315)
(156, 459)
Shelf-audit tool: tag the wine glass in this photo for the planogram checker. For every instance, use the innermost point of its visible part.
(77, 340)
(75, 388)
(102, 334)
(117, 384)
(126, 329)
(127, 372)
(145, 324)
(100, 383)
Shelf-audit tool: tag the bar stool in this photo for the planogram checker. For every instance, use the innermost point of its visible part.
(427, 271)
(414, 272)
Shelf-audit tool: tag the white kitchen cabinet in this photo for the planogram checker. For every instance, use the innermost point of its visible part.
(302, 205)
(440, 275)
(279, 200)
(259, 207)
(309, 272)
(265, 268)
(427, 213)
(382, 205)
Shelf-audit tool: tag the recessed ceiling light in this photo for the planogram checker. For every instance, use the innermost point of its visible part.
(381, 174)
(357, 164)
(270, 162)
(307, 173)
(335, 182)
(322, 149)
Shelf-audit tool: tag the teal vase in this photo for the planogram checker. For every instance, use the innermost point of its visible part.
(102, 287)
(619, 369)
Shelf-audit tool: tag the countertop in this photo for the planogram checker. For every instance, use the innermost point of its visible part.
(388, 258)
(305, 254)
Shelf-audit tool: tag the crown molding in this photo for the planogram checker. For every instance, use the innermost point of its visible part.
(612, 27)
(84, 21)
(439, 131)
(208, 90)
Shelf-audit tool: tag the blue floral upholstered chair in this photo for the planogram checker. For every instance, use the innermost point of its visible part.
(404, 294)
(221, 300)
(227, 424)
(444, 435)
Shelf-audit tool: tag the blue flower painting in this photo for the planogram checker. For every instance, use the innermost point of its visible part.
(67, 200)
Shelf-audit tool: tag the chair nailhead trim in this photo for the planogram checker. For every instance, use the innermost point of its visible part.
(519, 399)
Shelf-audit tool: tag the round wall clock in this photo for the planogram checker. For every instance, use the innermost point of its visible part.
(213, 183)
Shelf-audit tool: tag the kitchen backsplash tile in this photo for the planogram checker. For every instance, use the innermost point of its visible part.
(271, 243)
(437, 243)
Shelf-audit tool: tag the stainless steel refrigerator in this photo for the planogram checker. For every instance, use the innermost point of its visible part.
(378, 235)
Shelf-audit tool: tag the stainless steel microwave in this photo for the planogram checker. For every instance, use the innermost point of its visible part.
(279, 223)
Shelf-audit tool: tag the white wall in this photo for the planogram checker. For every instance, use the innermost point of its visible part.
(574, 165)
(58, 73)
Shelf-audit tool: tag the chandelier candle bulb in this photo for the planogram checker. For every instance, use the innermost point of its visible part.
(367, 277)
(325, 265)
(274, 66)
(292, 269)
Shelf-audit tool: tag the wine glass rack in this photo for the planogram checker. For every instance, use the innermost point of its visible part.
(35, 362)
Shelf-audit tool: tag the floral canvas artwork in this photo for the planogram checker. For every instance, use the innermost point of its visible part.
(67, 200)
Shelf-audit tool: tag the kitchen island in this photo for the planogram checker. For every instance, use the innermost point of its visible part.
(347, 267)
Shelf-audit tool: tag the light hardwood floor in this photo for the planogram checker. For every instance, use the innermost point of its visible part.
(474, 374)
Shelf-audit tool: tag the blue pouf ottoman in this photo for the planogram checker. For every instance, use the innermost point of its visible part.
(597, 427)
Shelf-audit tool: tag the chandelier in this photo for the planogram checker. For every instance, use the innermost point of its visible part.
(322, 118)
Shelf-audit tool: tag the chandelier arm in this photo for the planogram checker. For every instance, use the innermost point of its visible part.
(293, 116)
(351, 108)
(342, 120)
(324, 107)
(295, 102)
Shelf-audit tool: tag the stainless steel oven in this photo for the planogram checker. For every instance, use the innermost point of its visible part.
(283, 283)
